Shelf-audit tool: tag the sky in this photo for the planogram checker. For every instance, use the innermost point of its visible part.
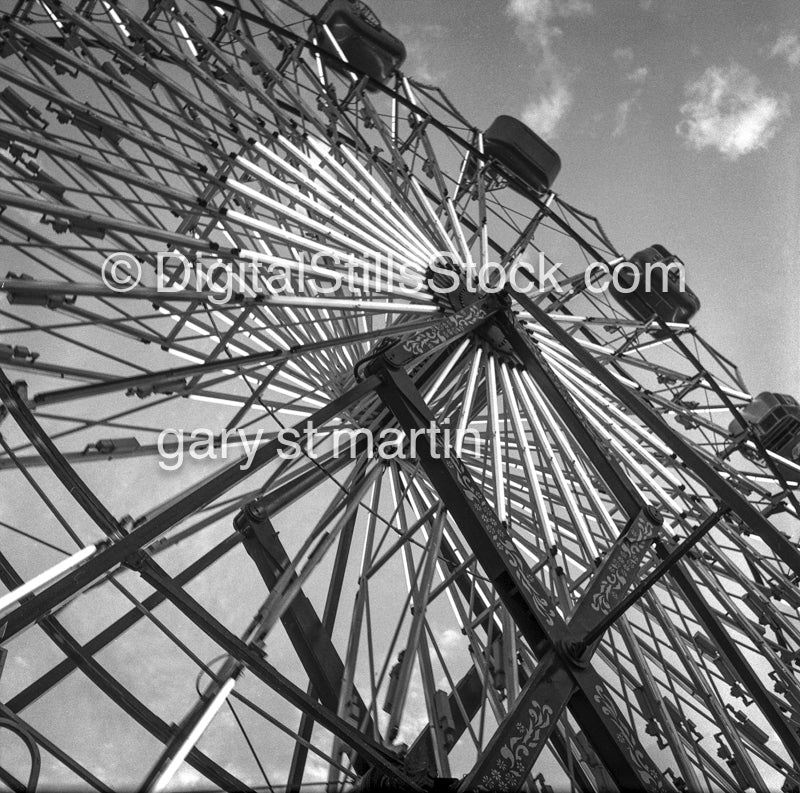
(676, 122)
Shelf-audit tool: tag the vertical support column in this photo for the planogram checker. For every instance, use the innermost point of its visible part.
(549, 637)
(309, 637)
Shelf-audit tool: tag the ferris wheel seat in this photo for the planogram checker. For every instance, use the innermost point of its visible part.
(775, 418)
(522, 152)
(656, 290)
(366, 45)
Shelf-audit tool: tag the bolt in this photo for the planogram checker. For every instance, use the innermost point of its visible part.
(653, 515)
(257, 510)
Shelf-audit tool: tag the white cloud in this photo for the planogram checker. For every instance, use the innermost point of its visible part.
(316, 770)
(638, 75)
(530, 12)
(422, 43)
(538, 28)
(727, 110)
(788, 46)
(450, 638)
(186, 778)
(544, 113)
(622, 114)
(569, 8)
(622, 56)
(541, 13)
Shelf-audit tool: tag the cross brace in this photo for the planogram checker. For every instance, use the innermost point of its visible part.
(549, 637)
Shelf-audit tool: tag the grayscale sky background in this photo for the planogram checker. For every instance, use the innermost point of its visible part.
(676, 121)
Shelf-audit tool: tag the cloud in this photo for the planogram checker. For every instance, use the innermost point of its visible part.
(571, 8)
(638, 75)
(544, 113)
(186, 778)
(422, 43)
(316, 770)
(541, 14)
(450, 638)
(622, 56)
(530, 12)
(726, 110)
(538, 26)
(623, 112)
(788, 46)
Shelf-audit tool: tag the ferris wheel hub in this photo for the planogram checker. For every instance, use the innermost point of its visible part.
(575, 652)
(453, 291)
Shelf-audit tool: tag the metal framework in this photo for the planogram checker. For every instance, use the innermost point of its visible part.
(575, 580)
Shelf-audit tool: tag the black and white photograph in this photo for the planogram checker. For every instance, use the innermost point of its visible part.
(400, 396)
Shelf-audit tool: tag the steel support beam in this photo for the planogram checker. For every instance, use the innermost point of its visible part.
(469, 692)
(56, 674)
(48, 451)
(311, 640)
(533, 716)
(154, 526)
(724, 491)
(385, 761)
(280, 497)
(592, 704)
(120, 695)
(557, 395)
(297, 767)
(780, 545)
(58, 753)
(510, 755)
(241, 362)
(678, 552)
(751, 679)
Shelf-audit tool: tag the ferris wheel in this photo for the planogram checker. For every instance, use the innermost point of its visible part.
(340, 452)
